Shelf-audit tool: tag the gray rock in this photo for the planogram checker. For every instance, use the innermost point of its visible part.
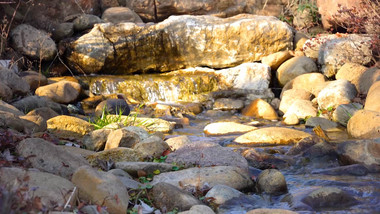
(112, 106)
(13, 81)
(178, 142)
(151, 147)
(120, 14)
(34, 79)
(6, 93)
(336, 93)
(324, 123)
(149, 167)
(63, 30)
(354, 170)
(222, 193)
(366, 152)
(302, 109)
(96, 140)
(9, 108)
(271, 181)
(86, 21)
(344, 112)
(10, 121)
(198, 209)
(226, 104)
(32, 102)
(329, 197)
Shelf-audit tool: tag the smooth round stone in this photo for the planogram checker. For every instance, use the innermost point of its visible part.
(271, 181)
(226, 128)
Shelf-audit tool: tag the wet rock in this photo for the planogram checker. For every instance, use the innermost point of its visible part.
(221, 193)
(226, 128)
(354, 170)
(321, 153)
(122, 138)
(344, 112)
(241, 204)
(366, 80)
(205, 154)
(364, 124)
(271, 181)
(33, 102)
(63, 30)
(311, 82)
(101, 188)
(261, 109)
(372, 101)
(302, 109)
(49, 157)
(271, 136)
(196, 209)
(13, 81)
(290, 96)
(181, 31)
(324, 123)
(34, 79)
(51, 189)
(364, 152)
(178, 142)
(115, 155)
(304, 144)
(167, 197)
(112, 106)
(86, 21)
(69, 127)
(6, 93)
(336, 93)
(120, 14)
(329, 197)
(96, 140)
(206, 177)
(151, 147)
(226, 104)
(39, 123)
(37, 45)
(294, 67)
(270, 211)
(60, 92)
(261, 160)
(9, 108)
(132, 168)
(351, 72)
(276, 59)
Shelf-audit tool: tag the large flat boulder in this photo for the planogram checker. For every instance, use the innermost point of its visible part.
(178, 42)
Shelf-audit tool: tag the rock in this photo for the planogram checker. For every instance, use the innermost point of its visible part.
(39, 123)
(310, 82)
(33, 102)
(76, 150)
(49, 157)
(337, 92)
(151, 147)
(271, 136)
(69, 127)
(373, 97)
(60, 92)
(9, 108)
(206, 154)
(90, 209)
(120, 14)
(86, 21)
(302, 109)
(222, 193)
(37, 45)
(271, 181)
(178, 142)
(44, 112)
(291, 95)
(96, 140)
(364, 152)
(9, 120)
(115, 155)
(206, 177)
(13, 81)
(34, 79)
(101, 188)
(294, 67)
(149, 124)
(201, 47)
(52, 80)
(291, 119)
(353, 170)
(366, 80)
(51, 189)
(304, 145)
(63, 31)
(276, 59)
(227, 128)
(226, 104)
(241, 204)
(6, 93)
(112, 106)
(299, 40)
(196, 209)
(124, 137)
(334, 53)
(351, 72)
(132, 168)
(324, 123)
(168, 197)
(261, 109)
(364, 124)
(321, 153)
(270, 211)
(126, 179)
(344, 112)
(329, 197)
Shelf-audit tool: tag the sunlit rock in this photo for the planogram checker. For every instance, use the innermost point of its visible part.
(364, 124)
(335, 93)
(261, 109)
(226, 128)
(68, 126)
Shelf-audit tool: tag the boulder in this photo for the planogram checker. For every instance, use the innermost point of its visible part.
(151, 147)
(44, 112)
(69, 127)
(38, 123)
(6, 93)
(302, 109)
(96, 140)
(290, 96)
(271, 181)
(259, 108)
(227, 128)
(120, 14)
(271, 136)
(13, 81)
(178, 42)
(364, 124)
(51, 189)
(85, 22)
(372, 101)
(37, 45)
(344, 112)
(206, 177)
(351, 72)
(60, 92)
(9, 108)
(364, 152)
(30, 103)
(101, 188)
(122, 138)
(276, 59)
(49, 157)
(63, 31)
(294, 67)
(336, 92)
(311, 82)
(10, 121)
(366, 80)
(34, 79)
